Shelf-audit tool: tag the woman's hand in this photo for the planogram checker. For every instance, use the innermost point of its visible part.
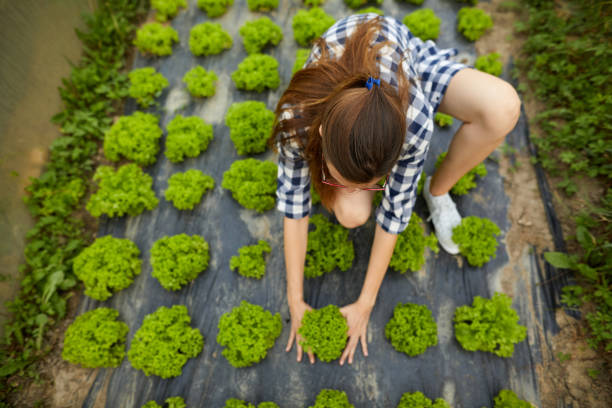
(297, 310)
(357, 316)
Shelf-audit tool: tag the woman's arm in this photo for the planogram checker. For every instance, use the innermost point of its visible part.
(358, 314)
(295, 241)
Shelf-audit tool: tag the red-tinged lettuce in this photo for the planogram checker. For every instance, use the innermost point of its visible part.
(419, 400)
(164, 342)
(156, 39)
(310, 24)
(126, 191)
(328, 398)
(135, 137)
(508, 399)
(209, 39)
(409, 252)
(489, 325)
(256, 34)
(178, 260)
(412, 329)
(107, 266)
(247, 332)
(328, 248)
(324, 332)
(256, 73)
(476, 239)
(187, 137)
(467, 181)
(250, 261)
(186, 189)
(145, 85)
(250, 125)
(252, 183)
(96, 339)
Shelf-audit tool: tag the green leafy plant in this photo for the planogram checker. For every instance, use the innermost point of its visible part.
(489, 63)
(145, 85)
(107, 266)
(411, 329)
(313, 3)
(96, 339)
(257, 72)
(156, 39)
(167, 9)
(187, 137)
(252, 183)
(250, 261)
(374, 10)
(328, 248)
(508, 399)
(247, 332)
(415, 2)
(310, 24)
(200, 83)
(409, 252)
(476, 239)
(135, 137)
(472, 22)
(443, 120)
(250, 126)
(179, 259)
(355, 4)
(256, 34)
(467, 181)
(489, 325)
(419, 400)
(324, 332)
(301, 57)
(172, 402)
(423, 23)
(328, 398)
(209, 39)
(237, 403)
(164, 342)
(215, 8)
(262, 5)
(126, 191)
(186, 189)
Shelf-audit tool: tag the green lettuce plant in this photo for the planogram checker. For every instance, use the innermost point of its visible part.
(187, 137)
(328, 398)
(419, 400)
(472, 22)
(409, 252)
(256, 34)
(313, 3)
(247, 332)
(146, 84)
(107, 266)
(179, 259)
(476, 239)
(300, 59)
(355, 4)
(250, 126)
(126, 191)
(252, 183)
(508, 399)
(415, 2)
(172, 402)
(328, 247)
(374, 10)
(467, 182)
(257, 72)
(215, 8)
(310, 24)
(411, 329)
(164, 342)
(186, 189)
(156, 39)
(489, 325)
(443, 120)
(489, 63)
(424, 24)
(200, 83)
(262, 5)
(135, 137)
(472, 2)
(96, 339)
(167, 9)
(237, 403)
(209, 39)
(324, 332)
(250, 261)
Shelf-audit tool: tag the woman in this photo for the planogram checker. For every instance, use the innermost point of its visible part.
(358, 118)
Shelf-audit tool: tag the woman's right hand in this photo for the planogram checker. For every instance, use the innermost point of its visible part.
(297, 310)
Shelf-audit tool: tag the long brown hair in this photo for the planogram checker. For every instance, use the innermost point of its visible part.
(363, 130)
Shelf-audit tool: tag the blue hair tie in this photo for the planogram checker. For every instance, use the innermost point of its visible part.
(371, 81)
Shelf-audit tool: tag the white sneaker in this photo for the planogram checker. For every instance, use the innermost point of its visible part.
(445, 216)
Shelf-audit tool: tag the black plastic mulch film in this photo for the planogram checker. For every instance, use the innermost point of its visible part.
(463, 378)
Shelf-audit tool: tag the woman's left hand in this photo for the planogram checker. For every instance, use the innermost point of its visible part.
(357, 316)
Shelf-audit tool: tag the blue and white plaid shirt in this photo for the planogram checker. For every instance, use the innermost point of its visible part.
(429, 72)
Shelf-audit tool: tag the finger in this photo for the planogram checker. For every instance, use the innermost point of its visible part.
(364, 345)
(299, 353)
(351, 344)
(290, 342)
(351, 354)
(311, 357)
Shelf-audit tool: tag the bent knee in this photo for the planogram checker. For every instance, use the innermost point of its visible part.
(352, 216)
(501, 117)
